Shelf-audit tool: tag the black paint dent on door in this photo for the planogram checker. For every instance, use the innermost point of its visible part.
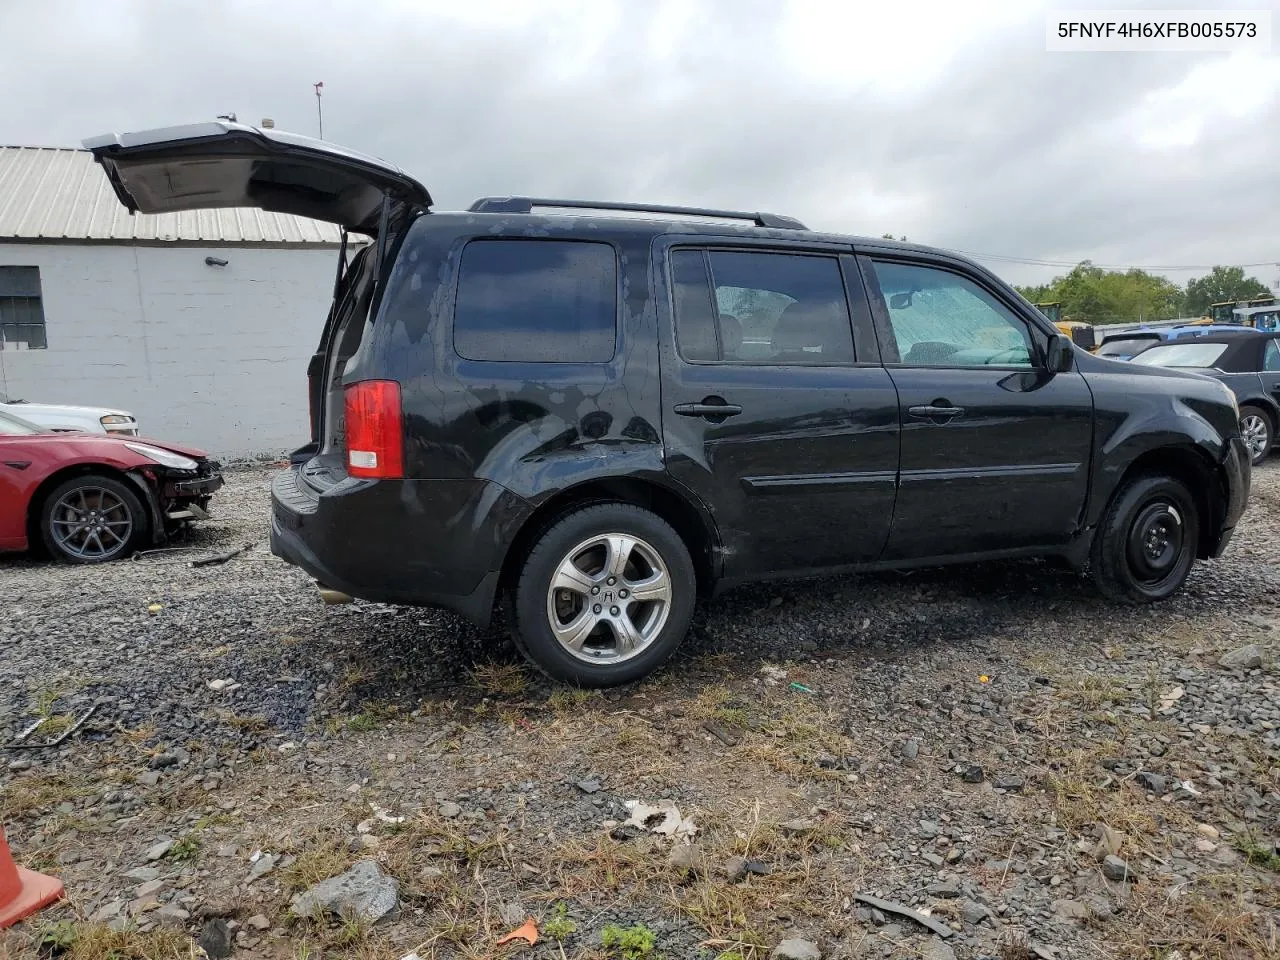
(792, 444)
(995, 450)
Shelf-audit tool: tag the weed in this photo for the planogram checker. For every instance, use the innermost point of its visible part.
(558, 926)
(499, 679)
(564, 700)
(186, 849)
(55, 938)
(1257, 852)
(361, 723)
(629, 943)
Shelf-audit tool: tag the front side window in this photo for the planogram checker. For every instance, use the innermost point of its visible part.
(1182, 355)
(1271, 359)
(537, 301)
(757, 307)
(21, 309)
(941, 319)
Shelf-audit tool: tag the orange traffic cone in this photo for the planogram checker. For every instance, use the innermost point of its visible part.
(22, 891)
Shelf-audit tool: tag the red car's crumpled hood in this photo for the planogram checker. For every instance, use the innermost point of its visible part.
(195, 453)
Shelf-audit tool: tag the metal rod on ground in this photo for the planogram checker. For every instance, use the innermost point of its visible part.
(222, 557)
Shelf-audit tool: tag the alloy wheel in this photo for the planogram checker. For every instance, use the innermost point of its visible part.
(91, 523)
(609, 598)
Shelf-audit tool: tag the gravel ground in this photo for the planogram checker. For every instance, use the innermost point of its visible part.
(957, 741)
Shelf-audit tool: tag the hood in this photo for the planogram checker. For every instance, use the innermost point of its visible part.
(221, 164)
(21, 407)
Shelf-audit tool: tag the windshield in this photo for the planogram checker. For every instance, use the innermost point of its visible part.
(11, 426)
(1126, 347)
(1182, 355)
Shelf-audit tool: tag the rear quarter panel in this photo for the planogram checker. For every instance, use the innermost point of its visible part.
(534, 428)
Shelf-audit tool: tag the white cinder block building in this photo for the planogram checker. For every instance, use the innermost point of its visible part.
(200, 324)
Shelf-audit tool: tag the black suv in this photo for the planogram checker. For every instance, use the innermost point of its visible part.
(600, 418)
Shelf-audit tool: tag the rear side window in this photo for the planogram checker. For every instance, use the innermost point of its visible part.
(755, 307)
(537, 301)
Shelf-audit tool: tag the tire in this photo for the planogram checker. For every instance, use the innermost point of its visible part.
(1147, 542)
(1258, 431)
(626, 639)
(120, 520)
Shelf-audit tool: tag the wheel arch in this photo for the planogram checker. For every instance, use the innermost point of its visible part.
(691, 521)
(1267, 406)
(35, 506)
(1197, 472)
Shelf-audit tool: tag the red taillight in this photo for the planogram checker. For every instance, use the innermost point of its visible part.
(375, 434)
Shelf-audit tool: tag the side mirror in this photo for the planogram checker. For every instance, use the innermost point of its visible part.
(900, 301)
(1061, 354)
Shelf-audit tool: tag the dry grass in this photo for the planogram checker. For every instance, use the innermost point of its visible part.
(92, 941)
(499, 679)
(35, 793)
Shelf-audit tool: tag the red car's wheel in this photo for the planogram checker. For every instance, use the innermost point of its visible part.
(92, 519)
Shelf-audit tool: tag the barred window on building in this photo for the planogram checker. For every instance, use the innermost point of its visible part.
(21, 310)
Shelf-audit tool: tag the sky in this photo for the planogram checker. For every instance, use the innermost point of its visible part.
(945, 122)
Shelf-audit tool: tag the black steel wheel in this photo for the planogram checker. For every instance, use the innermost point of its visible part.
(1144, 549)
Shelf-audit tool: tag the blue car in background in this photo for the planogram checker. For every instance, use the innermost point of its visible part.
(1127, 344)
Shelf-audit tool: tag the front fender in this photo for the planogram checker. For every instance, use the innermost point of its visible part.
(1165, 423)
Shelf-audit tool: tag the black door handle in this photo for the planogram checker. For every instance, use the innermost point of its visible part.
(710, 407)
(936, 411)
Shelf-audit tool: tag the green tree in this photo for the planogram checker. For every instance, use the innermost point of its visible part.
(1221, 284)
(1095, 295)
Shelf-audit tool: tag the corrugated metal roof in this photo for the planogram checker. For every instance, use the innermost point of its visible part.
(50, 193)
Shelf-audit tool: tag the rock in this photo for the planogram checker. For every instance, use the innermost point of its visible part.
(1009, 782)
(684, 859)
(1204, 845)
(1071, 909)
(171, 917)
(1109, 842)
(1113, 868)
(450, 810)
(910, 750)
(227, 850)
(261, 867)
(944, 888)
(17, 766)
(108, 911)
(215, 939)
(929, 829)
(798, 827)
(150, 888)
(973, 912)
(735, 869)
(591, 785)
(512, 913)
(258, 922)
(162, 760)
(933, 859)
(150, 778)
(1246, 658)
(1205, 830)
(1151, 782)
(972, 774)
(158, 850)
(364, 891)
(955, 855)
(935, 949)
(142, 873)
(796, 950)
(68, 857)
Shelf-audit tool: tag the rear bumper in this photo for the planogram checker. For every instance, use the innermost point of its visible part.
(437, 543)
(1237, 476)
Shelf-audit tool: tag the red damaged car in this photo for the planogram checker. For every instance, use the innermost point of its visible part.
(88, 498)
